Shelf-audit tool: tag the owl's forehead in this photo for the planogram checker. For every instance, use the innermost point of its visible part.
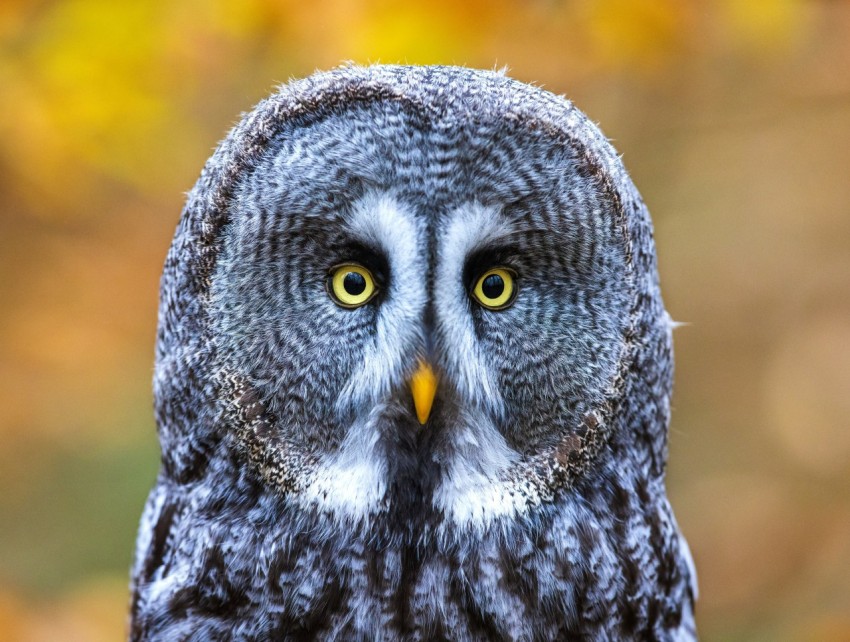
(432, 162)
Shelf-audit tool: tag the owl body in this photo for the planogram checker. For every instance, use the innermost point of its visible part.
(300, 498)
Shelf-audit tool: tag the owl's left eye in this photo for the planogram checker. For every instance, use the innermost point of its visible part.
(496, 288)
(351, 285)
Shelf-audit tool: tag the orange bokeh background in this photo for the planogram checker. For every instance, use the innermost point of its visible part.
(733, 117)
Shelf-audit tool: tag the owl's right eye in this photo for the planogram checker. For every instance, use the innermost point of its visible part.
(351, 285)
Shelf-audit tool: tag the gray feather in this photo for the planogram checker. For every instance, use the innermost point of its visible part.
(299, 498)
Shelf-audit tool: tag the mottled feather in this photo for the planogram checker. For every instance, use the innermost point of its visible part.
(299, 498)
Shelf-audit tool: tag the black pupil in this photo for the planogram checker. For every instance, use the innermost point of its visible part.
(493, 286)
(354, 283)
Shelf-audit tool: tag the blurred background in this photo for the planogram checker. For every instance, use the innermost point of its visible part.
(733, 117)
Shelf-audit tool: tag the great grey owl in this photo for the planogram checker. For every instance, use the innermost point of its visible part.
(413, 378)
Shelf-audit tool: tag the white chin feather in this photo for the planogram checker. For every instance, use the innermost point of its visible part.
(474, 489)
(351, 482)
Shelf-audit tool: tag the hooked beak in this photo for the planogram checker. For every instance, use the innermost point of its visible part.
(423, 385)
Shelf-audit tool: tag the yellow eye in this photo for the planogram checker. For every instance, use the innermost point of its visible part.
(496, 288)
(351, 285)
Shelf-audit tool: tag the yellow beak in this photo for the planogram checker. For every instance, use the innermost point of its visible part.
(423, 385)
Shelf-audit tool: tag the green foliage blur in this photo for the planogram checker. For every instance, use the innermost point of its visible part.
(733, 117)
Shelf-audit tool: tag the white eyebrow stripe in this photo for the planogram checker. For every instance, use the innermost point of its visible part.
(473, 490)
(351, 483)
(471, 227)
(380, 221)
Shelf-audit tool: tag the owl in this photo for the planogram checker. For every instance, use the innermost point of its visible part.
(413, 377)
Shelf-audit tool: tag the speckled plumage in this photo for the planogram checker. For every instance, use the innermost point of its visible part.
(298, 497)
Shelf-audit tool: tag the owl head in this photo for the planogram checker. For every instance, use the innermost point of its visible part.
(413, 291)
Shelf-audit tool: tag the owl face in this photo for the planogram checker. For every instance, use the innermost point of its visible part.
(372, 238)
